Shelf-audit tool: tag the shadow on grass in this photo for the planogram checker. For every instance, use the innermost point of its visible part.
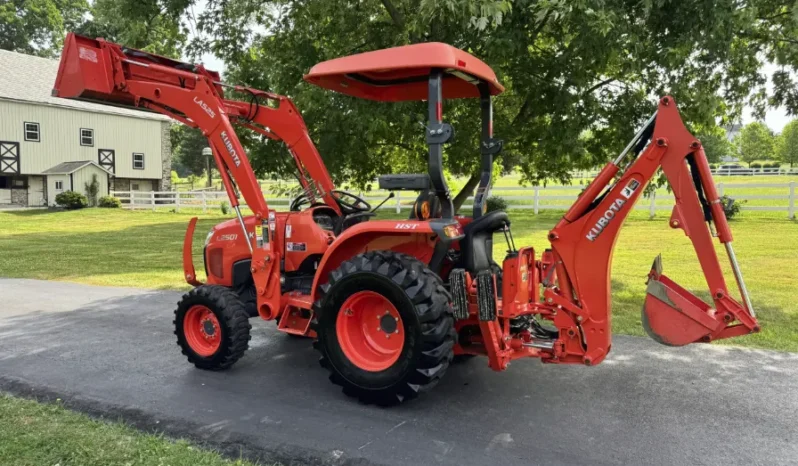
(142, 249)
(32, 212)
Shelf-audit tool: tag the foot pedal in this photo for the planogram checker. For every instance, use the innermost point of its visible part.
(457, 286)
(486, 296)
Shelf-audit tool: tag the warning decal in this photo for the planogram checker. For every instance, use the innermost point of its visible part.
(295, 247)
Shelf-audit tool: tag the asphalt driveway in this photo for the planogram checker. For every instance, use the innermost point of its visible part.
(111, 352)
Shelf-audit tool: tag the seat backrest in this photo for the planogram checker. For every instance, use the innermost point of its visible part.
(426, 206)
(476, 247)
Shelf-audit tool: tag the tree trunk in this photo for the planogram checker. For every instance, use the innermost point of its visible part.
(210, 179)
(468, 190)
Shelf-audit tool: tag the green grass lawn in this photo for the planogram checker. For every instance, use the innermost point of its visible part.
(143, 249)
(38, 434)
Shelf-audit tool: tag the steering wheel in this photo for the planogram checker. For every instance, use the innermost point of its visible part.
(351, 204)
(299, 202)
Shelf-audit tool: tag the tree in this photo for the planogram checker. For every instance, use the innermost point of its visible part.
(787, 143)
(716, 145)
(92, 190)
(187, 145)
(580, 74)
(151, 25)
(755, 142)
(37, 27)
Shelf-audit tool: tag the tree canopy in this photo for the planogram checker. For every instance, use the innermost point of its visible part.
(716, 145)
(787, 143)
(755, 142)
(37, 27)
(581, 75)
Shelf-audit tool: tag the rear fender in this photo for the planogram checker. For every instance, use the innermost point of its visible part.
(188, 259)
(408, 236)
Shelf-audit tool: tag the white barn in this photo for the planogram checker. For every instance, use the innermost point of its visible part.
(49, 145)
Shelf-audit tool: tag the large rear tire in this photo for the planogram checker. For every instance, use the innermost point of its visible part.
(385, 327)
(212, 327)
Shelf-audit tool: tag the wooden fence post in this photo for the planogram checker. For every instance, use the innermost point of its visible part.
(652, 208)
(720, 189)
(537, 200)
(152, 200)
(398, 204)
(204, 203)
(177, 201)
(792, 200)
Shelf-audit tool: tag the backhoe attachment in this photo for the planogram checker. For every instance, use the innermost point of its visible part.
(584, 240)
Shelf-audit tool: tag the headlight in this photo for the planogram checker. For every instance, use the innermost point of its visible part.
(208, 238)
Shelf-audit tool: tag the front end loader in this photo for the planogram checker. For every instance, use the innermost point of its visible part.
(391, 303)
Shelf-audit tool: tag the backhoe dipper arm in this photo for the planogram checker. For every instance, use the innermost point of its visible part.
(584, 239)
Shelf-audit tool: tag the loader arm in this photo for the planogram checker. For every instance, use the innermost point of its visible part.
(101, 71)
(584, 239)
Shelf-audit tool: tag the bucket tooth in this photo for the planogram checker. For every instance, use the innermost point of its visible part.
(486, 296)
(457, 286)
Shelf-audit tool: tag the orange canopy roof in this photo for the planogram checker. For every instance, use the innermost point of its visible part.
(401, 73)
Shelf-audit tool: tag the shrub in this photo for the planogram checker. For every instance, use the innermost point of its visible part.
(92, 190)
(496, 203)
(225, 207)
(110, 202)
(71, 200)
(756, 165)
(731, 207)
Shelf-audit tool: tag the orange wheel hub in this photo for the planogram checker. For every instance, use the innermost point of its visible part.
(370, 331)
(202, 330)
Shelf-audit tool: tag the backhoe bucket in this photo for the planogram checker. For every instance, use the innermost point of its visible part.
(673, 316)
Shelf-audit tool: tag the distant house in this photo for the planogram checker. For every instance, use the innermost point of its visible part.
(731, 132)
(50, 145)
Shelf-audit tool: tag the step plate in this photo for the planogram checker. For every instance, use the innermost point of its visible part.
(486, 296)
(457, 286)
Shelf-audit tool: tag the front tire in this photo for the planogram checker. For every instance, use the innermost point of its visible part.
(385, 327)
(212, 327)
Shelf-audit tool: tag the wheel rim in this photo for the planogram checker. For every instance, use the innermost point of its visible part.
(202, 330)
(370, 331)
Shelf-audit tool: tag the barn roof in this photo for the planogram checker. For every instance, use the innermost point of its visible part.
(25, 78)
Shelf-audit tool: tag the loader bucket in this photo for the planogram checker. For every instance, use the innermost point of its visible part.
(672, 315)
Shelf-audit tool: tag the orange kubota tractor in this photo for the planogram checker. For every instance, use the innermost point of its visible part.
(390, 303)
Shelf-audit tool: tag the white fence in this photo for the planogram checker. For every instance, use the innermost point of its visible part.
(720, 171)
(532, 198)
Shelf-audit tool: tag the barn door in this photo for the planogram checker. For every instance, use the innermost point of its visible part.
(107, 159)
(9, 157)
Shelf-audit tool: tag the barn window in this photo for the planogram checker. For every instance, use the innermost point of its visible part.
(32, 132)
(59, 185)
(86, 137)
(134, 186)
(19, 182)
(138, 161)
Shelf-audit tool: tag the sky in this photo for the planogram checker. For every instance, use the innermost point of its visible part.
(775, 118)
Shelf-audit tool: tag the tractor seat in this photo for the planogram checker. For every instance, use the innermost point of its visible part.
(476, 248)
